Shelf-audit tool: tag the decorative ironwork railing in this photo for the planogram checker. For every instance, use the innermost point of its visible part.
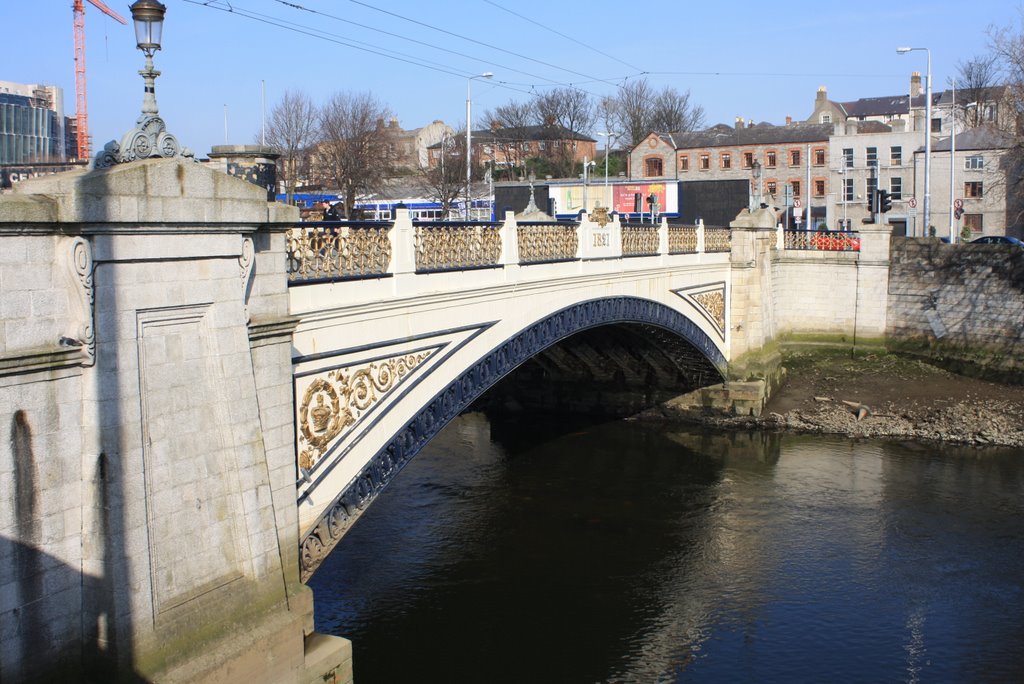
(640, 239)
(682, 239)
(337, 252)
(824, 240)
(547, 242)
(456, 247)
(717, 239)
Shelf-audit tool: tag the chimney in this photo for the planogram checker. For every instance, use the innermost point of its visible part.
(821, 98)
(915, 84)
(393, 123)
(380, 123)
(789, 121)
(739, 122)
(750, 123)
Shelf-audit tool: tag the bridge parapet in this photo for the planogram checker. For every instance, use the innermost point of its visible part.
(335, 251)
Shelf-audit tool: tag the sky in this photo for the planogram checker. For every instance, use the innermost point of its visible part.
(225, 63)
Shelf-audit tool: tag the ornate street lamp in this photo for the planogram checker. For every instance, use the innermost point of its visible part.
(149, 138)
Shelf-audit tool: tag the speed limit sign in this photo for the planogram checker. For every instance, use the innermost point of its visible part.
(912, 202)
(796, 203)
(959, 204)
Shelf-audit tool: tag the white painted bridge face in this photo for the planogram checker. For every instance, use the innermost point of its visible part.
(401, 326)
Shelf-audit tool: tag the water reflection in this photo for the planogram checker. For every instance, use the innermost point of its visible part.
(631, 553)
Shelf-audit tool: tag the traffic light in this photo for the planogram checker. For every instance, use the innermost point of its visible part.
(884, 201)
(872, 201)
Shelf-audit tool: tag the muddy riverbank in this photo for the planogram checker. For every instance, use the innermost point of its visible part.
(880, 395)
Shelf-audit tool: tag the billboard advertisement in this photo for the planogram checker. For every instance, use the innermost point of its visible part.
(570, 199)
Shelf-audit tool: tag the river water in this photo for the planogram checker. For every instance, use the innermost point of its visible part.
(625, 552)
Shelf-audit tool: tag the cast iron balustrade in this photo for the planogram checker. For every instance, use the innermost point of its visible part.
(444, 246)
(717, 239)
(333, 251)
(822, 240)
(682, 239)
(640, 239)
(547, 242)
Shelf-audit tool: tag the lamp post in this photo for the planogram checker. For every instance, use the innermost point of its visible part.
(149, 138)
(607, 135)
(755, 171)
(927, 133)
(469, 128)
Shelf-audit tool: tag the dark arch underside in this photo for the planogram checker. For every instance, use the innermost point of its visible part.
(683, 347)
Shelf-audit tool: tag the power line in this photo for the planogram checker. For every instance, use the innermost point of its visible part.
(562, 35)
(498, 65)
(474, 40)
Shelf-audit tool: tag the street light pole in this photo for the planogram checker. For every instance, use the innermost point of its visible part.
(607, 142)
(927, 133)
(952, 165)
(469, 128)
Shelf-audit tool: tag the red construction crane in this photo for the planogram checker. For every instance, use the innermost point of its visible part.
(81, 113)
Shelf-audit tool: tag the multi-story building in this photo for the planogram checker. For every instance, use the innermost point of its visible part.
(411, 147)
(511, 147)
(791, 160)
(32, 126)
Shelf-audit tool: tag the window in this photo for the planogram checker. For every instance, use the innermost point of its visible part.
(769, 159)
(972, 189)
(847, 189)
(974, 162)
(748, 160)
(726, 160)
(848, 157)
(870, 185)
(652, 167)
(794, 157)
(771, 187)
(896, 188)
(936, 125)
(872, 154)
(819, 188)
(819, 156)
(896, 156)
(826, 118)
(705, 162)
(796, 188)
(974, 222)
(684, 163)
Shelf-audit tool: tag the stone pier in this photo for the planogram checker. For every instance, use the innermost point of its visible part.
(148, 524)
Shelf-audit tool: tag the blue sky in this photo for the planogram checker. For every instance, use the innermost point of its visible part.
(762, 61)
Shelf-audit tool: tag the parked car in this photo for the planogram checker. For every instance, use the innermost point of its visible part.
(998, 240)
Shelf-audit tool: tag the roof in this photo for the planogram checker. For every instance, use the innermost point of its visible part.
(980, 138)
(761, 134)
(885, 105)
(528, 133)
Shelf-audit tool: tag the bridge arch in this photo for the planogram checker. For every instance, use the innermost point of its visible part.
(479, 377)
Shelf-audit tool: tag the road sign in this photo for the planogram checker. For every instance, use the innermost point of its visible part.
(912, 202)
(959, 204)
(796, 202)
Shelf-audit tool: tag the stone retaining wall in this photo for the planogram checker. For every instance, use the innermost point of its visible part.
(959, 305)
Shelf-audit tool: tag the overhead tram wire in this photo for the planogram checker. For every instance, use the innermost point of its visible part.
(478, 42)
(562, 35)
(497, 65)
(356, 45)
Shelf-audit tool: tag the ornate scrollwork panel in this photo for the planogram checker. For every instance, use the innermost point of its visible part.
(78, 267)
(682, 239)
(334, 401)
(709, 300)
(453, 247)
(639, 240)
(317, 253)
(717, 239)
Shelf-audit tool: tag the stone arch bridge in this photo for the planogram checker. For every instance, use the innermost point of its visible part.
(200, 394)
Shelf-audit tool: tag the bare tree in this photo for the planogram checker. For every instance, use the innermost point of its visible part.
(1008, 46)
(640, 110)
(634, 110)
(292, 129)
(672, 112)
(507, 147)
(975, 82)
(446, 181)
(355, 152)
(566, 113)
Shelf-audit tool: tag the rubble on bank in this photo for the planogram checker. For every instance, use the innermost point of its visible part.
(879, 396)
